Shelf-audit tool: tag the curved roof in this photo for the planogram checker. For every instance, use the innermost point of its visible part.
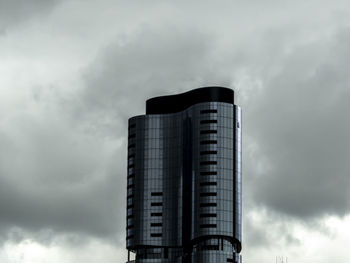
(180, 102)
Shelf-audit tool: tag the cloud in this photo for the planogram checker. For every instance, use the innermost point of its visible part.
(63, 138)
(14, 12)
(299, 124)
(62, 166)
(57, 177)
(120, 79)
(61, 250)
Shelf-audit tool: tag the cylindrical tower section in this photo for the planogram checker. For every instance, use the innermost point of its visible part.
(155, 163)
(215, 184)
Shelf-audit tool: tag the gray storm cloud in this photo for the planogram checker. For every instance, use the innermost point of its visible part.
(300, 124)
(13, 12)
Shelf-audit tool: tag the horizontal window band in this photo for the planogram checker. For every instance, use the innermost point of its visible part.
(131, 156)
(209, 173)
(207, 226)
(130, 206)
(156, 194)
(156, 204)
(208, 132)
(130, 237)
(130, 216)
(131, 146)
(130, 186)
(208, 142)
(131, 166)
(208, 152)
(156, 214)
(156, 224)
(208, 121)
(210, 247)
(130, 226)
(131, 136)
(208, 163)
(208, 205)
(132, 125)
(208, 183)
(131, 176)
(209, 111)
(131, 196)
(208, 194)
(207, 215)
(156, 234)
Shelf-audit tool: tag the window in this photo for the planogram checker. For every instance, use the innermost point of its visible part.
(208, 183)
(208, 121)
(210, 247)
(156, 234)
(208, 132)
(207, 215)
(156, 214)
(207, 194)
(131, 176)
(208, 205)
(131, 136)
(156, 224)
(209, 173)
(209, 111)
(156, 204)
(131, 186)
(208, 163)
(207, 226)
(208, 142)
(131, 146)
(156, 194)
(208, 152)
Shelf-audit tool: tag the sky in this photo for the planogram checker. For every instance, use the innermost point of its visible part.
(73, 71)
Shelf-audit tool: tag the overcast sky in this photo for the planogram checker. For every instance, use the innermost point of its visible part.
(73, 71)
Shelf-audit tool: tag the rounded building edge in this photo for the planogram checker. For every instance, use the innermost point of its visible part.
(180, 102)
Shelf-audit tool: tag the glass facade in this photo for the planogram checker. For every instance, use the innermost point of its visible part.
(184, 180)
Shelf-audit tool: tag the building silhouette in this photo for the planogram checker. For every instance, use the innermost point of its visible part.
(184, 179)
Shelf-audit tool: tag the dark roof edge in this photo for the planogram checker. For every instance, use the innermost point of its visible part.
(182, 101)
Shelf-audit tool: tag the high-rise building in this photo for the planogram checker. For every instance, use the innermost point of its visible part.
(184, 179)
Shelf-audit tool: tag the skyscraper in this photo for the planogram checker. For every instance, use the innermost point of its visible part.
(184, 179)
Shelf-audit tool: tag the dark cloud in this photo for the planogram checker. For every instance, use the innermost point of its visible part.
(300, 126)
(264, 229)
(65, 170)
(68, 180)
(159, 60)
(54, 176)
(13, 12)
(62, 155)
